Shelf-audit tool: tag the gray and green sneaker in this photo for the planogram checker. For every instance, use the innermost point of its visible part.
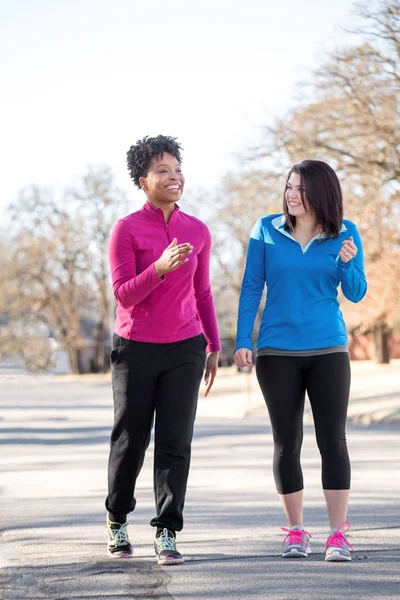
(337, 547)
(165, 548)
(118, 541)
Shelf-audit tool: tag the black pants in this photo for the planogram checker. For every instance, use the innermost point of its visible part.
(284, 381)
(148, 379)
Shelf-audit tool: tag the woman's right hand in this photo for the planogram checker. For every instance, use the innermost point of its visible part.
(243, 357)
(173, 257)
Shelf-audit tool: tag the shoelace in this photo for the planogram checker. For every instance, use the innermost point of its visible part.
(295, 536)
(339, 539)
(120, 536)
(166, 541)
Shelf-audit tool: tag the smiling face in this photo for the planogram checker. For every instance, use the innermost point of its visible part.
(164, 181)
(313, 196)
(295, 196)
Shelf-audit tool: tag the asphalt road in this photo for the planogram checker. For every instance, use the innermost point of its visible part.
(54, 448)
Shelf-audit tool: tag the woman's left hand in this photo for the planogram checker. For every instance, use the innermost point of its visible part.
(211, 370)
(348, 250)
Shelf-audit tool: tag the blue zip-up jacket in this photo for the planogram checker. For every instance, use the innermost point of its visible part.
(302, 309)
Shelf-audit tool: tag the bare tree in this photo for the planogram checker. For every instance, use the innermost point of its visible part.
(353, 122)
(47, 263)
(99, 203)
(243, 197)
(380, 23)
(378, 222)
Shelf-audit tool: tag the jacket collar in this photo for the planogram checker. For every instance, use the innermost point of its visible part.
(280, 225)
(157, 213)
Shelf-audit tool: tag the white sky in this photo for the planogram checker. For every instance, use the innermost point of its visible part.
(82, 81)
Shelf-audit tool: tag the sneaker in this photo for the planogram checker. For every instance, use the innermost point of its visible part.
(165, 547)
(337, 547)
(118, 540)
(296, 543)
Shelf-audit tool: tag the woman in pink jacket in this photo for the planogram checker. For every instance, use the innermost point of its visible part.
(165, 333)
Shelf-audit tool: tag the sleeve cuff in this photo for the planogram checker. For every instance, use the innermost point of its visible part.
(162, 278)
(343, 265)
(247, 346)
(213, 348)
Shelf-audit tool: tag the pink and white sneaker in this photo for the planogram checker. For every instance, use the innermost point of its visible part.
(337, 547)
(296, 543)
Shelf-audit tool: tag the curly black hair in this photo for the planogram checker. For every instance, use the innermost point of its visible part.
(139, 156)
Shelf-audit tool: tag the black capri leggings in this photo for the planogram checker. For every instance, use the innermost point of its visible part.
(284, 381)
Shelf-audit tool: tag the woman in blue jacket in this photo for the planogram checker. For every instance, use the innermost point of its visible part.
(302, 256)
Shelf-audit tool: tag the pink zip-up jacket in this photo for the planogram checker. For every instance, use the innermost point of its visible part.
(172, 308)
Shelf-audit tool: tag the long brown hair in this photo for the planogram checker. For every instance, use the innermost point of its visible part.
(324, 194)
